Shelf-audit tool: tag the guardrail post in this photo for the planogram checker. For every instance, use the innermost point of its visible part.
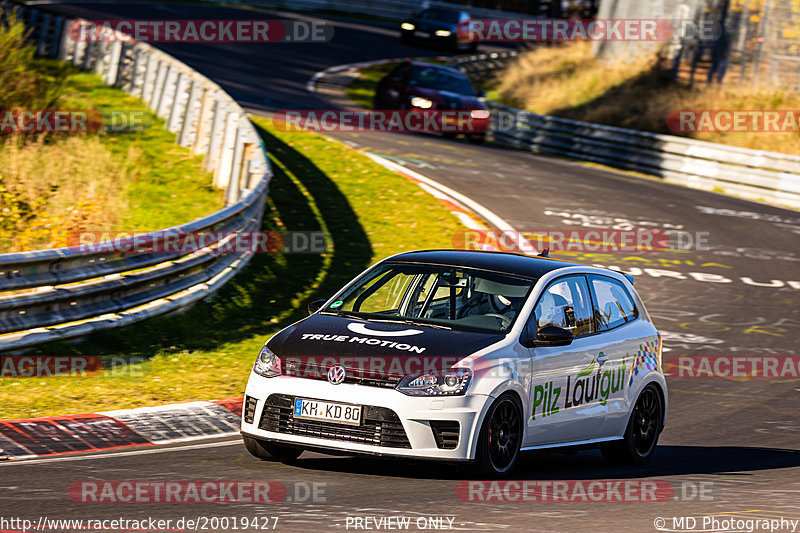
(244, 169)
(177, 109)
(220, 113)
(152, 69)
(232, 194)
(126, 67)
(78, 52)
(256, 171)
(66, 50)
(100, 53)
(88, 55)
(222, 176)
(189, 124)
(205, 116)
(138, 73)
(167, 95)
(158, 87)
(114, 60)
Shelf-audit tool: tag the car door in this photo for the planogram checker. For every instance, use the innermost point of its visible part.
(616, 317)
(564, 381)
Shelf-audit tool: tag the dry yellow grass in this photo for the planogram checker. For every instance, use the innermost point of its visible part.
(50, 190)
(567, 81)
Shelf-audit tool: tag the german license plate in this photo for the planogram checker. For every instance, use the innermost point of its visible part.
(332, 412)
(422, 34)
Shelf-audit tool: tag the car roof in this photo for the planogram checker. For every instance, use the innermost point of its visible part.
(445, 9)
(420, 64)
(505, 262)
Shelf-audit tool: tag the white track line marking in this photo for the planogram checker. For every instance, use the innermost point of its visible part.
(143, 451)
(471, 204)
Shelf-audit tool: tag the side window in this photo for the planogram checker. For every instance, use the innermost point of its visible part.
(613, 305)
(566, 303)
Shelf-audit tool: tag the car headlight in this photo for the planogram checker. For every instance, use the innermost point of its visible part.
(447, 383)
(442, 33)
(407, 26)
(419, 101)
(479, 113)
(267, 364)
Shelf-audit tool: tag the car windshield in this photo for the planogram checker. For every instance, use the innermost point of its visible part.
(441, 80)
(452, 297)
(441, 15)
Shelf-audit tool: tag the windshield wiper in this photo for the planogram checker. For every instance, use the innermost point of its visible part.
(409, 321)
(342, 313)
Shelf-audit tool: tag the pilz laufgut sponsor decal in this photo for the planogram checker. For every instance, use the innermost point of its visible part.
(590, 384)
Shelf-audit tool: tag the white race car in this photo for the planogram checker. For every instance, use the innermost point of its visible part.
(463, 356)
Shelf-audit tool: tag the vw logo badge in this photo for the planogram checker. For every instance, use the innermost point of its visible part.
(336, 374)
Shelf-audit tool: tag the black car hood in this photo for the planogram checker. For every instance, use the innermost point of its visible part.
(323, 334)
(449, 100)
(431, 25)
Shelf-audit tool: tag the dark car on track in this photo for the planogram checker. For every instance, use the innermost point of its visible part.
(427, 87)
(439, 27)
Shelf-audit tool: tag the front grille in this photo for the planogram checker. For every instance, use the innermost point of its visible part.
(379, 427)
(309, 369)
(445, 432)
(250, 409)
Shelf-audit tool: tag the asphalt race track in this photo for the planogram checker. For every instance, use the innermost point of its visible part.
(731, 447)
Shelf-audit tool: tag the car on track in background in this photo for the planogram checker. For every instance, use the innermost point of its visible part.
(439, 27)
(429, 88)
(463, 356)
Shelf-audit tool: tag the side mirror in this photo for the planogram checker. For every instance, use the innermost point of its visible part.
(550, 336)
(481, 94)
(315, 306)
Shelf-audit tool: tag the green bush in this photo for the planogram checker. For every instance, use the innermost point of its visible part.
(25, 83)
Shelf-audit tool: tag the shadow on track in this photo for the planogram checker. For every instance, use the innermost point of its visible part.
(273, 290)
(667, 461)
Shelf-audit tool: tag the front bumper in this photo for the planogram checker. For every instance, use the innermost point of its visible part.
(414, 415)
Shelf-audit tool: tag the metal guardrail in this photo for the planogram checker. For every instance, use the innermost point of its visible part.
(482, 66)
(68, 292)
(754, 174)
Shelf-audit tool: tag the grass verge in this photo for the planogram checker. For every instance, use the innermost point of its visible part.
(206, 351)
(53, 186)
(569, 82)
